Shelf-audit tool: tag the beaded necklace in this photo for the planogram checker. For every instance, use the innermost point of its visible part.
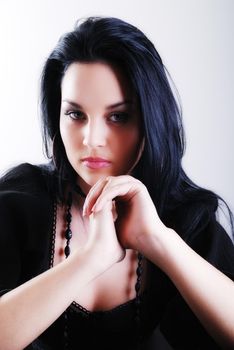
(67, 251)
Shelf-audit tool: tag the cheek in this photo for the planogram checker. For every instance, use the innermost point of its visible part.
(69, 136)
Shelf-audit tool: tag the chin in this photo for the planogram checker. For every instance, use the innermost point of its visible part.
(89, 181)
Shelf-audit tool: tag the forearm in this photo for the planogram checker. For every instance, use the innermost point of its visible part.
(208, 292)
(28, 310)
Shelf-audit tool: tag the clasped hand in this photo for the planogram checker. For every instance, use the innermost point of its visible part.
(121, 209)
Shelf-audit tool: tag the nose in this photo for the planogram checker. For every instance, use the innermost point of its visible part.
(95, 134)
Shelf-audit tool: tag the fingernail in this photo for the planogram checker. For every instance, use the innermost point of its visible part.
(94, 209)
(84, 211)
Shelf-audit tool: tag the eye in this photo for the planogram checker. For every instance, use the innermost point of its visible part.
(119, 117)
(75, 115)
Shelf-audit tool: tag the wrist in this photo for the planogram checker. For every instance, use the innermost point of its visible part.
(97, 258)
(156, 246)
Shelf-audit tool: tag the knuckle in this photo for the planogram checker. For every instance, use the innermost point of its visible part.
(108, 178)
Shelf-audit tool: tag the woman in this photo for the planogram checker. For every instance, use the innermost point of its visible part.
(114, 200)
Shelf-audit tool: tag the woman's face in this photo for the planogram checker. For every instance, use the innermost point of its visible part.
(99, 122)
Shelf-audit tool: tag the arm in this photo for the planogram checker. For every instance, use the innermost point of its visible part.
(50, 293)
(208, 292)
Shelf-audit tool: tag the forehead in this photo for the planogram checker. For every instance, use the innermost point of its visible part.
(95, 79)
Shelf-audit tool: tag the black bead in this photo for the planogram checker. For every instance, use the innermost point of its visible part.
(140, 257)
(68, 234)
(139, 270)
(68, 218)
(137, 286)
(67, 251)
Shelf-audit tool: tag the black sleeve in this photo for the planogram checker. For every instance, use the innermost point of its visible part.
(25, 225)
(179, 325)
(10, 257)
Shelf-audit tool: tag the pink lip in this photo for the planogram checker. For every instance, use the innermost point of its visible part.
(96, 163)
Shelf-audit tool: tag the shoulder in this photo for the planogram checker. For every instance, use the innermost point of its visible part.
(27, 178)
(26, 195)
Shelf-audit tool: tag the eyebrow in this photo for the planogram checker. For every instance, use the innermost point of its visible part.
(118, 104)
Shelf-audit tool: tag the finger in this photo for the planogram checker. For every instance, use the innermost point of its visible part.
(98, 188)
(93, 195)
(114, 211)
(125, 190)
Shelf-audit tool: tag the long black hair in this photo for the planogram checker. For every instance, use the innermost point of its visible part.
(117, 42)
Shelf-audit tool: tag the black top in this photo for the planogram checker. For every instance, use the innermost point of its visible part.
(27, 226)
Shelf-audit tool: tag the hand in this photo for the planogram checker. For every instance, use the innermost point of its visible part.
(102, 240)
(136, 213)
